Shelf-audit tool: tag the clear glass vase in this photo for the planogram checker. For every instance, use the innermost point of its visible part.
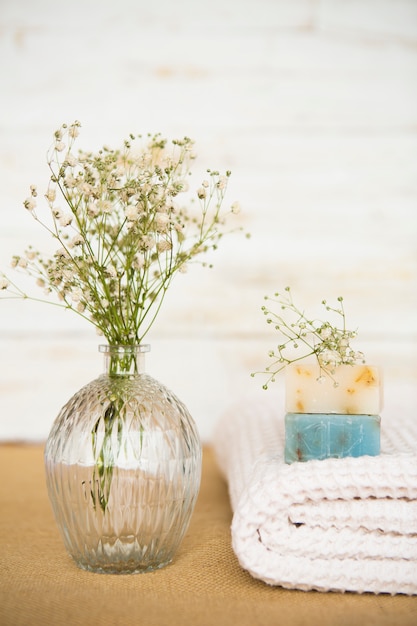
(123, 468)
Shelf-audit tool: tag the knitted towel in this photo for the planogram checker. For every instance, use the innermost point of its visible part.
(333, 525)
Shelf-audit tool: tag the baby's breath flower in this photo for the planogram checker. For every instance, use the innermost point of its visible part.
(92, 209)
(51, 195)
(147, 242)
(4, 283)
(29, 204)
(77, 240)
(86, 189)
(325, 332)
(138, 261)
(70, 160)
(111, 271)
(76, 294)
(73, 131)
(68, 273)
(65, 220)
(161, 220)
(105, 206)
(132, 213)
(163, 245)
(70, 181)
(61, 253)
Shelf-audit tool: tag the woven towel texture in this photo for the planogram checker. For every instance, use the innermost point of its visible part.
(339, 524)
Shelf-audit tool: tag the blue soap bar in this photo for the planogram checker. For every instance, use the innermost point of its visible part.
(322, 436)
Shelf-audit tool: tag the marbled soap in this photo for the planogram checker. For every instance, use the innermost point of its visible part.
(358, 390)
(314, 436)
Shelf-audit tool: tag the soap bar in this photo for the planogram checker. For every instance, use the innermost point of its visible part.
(352, 390)
(321, 436)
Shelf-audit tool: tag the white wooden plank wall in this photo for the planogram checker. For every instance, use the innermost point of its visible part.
(313, 106)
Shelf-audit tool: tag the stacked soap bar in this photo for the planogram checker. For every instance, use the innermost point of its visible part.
(334, 416)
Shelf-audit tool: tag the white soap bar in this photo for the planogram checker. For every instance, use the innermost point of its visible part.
(358, 390)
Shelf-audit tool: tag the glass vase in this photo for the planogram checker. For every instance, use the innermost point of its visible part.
(123, 468)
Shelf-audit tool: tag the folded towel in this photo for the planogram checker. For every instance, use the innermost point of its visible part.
(332, 525)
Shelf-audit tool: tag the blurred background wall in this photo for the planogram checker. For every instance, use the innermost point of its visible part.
(312, 104)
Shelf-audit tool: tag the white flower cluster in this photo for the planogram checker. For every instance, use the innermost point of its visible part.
(124, 232)
(334, 348)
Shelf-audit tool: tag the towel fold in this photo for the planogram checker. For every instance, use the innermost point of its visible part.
(333, 525)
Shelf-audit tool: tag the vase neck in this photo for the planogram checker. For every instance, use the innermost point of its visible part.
(124, 360)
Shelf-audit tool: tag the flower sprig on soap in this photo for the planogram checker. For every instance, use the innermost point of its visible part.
(308, 337)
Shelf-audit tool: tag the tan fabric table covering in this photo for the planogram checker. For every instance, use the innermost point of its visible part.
(204, 586)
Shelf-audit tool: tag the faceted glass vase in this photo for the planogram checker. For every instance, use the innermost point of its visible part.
(123, 468)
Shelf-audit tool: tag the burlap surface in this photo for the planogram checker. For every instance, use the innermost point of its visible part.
(204, 586)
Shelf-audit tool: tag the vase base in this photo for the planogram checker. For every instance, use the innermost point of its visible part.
(122, 569)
